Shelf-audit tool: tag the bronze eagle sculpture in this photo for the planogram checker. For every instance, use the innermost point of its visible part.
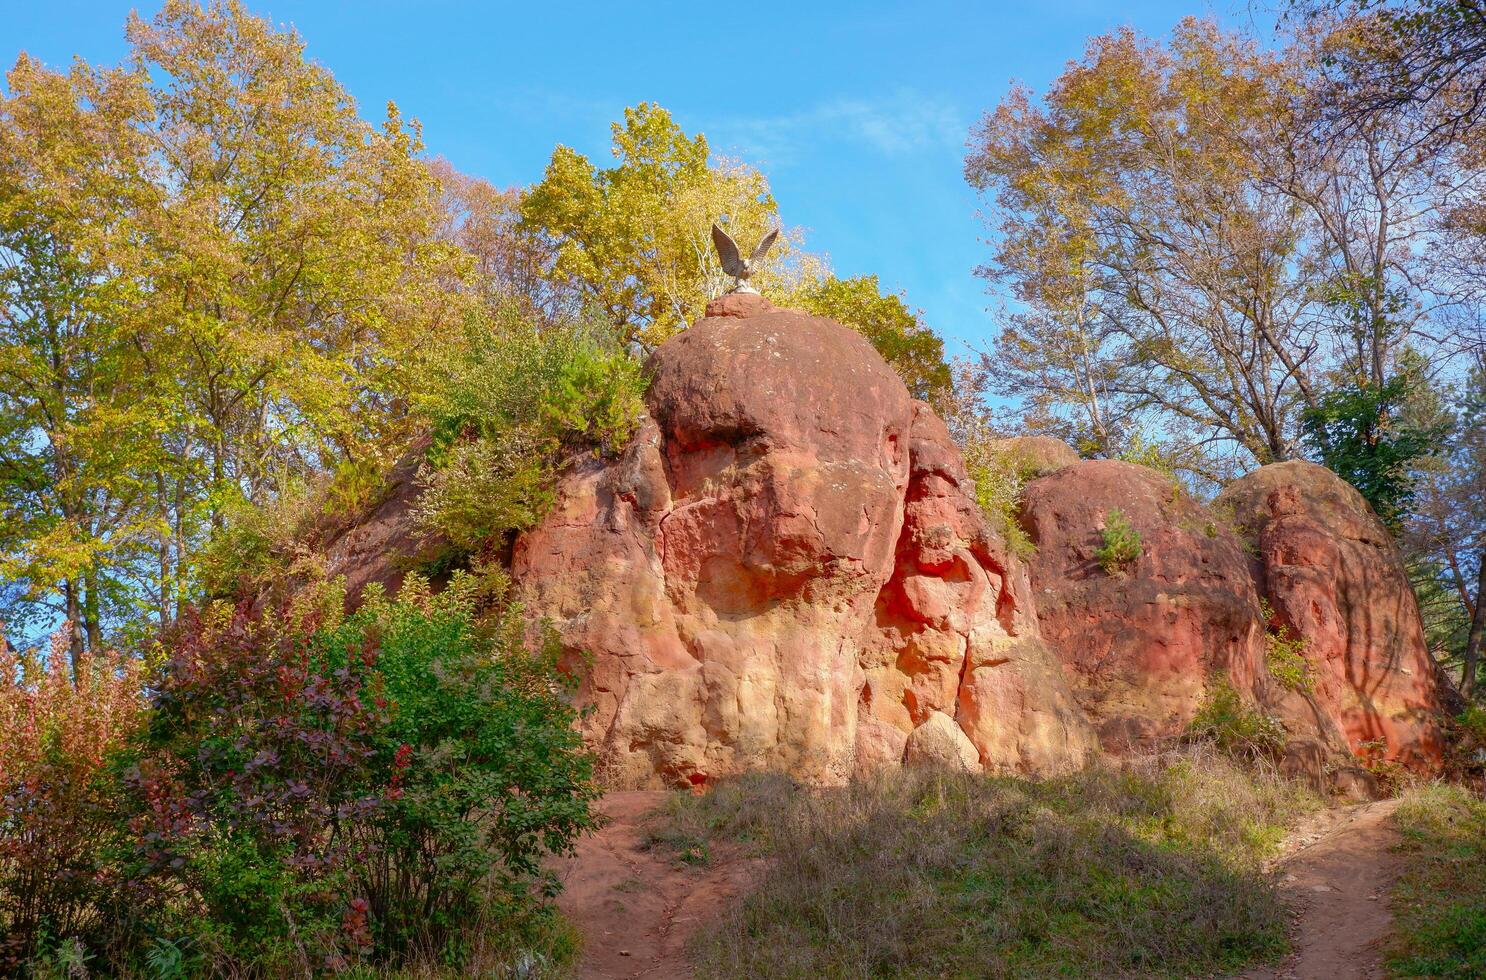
(733, 262)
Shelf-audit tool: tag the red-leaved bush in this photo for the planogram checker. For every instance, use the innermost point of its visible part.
(317, 791)
(58, 726)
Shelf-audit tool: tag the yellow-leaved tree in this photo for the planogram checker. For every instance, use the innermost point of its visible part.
(214, 276)
(635, 239)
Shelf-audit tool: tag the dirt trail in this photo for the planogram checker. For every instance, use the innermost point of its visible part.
(637, 907)
(1336, 872)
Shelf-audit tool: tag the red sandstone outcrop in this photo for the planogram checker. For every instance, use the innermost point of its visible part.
(1329, 569)
(1143, 644)
(785, 569)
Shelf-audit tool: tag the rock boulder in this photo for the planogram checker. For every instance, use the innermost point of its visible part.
(785, 569)
(1143, 643)
(1329, 569)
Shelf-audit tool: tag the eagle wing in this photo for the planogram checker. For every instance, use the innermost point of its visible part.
(727, 251)
(763, 247)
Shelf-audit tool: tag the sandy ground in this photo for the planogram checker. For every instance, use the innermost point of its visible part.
(635, 907)
(1336, 872)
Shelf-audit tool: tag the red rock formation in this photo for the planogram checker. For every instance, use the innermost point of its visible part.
(1144, 644)
(1330, 570)
(784, 570)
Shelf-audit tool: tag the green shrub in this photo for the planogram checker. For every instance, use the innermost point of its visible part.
(1149, 454)
(565, 386)
(504, 407)
(255, 542)
(1284, 653)
(485, 488)
(999, 479)
(1121, 546)
(1234, 726)
(354, 485)
(594, 397)
(318, 791)
(1466, 741)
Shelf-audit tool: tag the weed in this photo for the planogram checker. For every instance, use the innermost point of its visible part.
(999, 478)
(1392, 777)
(1121, 546)
(1153, 869)
(1284, 652)
(1439, 901)
(1235, 727)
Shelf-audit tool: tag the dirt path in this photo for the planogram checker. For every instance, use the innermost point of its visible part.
(637, 907)
(1336, 872)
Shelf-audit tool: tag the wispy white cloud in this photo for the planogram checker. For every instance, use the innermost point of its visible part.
(902, 123)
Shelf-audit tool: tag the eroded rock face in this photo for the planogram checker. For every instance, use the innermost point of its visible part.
(1329, 569)
(784, 570)
(1143, 644)
(956, 632)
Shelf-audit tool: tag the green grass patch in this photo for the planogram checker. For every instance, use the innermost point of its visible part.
(1151, 870)
(1439, 902)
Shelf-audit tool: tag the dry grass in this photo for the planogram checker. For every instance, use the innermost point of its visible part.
(1439, 902)
(1149, 870)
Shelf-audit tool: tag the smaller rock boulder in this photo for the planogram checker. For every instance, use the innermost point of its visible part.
(1145, 641)
(1329, 569)
(939, 743)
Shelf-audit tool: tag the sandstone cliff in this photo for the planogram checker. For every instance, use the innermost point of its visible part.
(785, 569)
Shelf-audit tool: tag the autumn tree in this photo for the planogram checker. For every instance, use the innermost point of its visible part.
(511, 261)
(1402, 56)
(215, 277)
(1158, 273)
(76, 433)
(635, 239)
(1189, 260)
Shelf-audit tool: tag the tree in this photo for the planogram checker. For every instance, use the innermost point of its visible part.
(1413, 56)
(1195, 257)
(904, 341)
(1446, 536)
(216, 277)
(1165, 282)
(511, 261)
(1359, 431)
(76, 435)
(634, 239)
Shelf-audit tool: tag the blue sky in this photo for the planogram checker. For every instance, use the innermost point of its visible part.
(858, 112)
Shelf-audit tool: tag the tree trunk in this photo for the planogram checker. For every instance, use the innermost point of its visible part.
(1477, 635)
(74, 617)
(93, 610)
